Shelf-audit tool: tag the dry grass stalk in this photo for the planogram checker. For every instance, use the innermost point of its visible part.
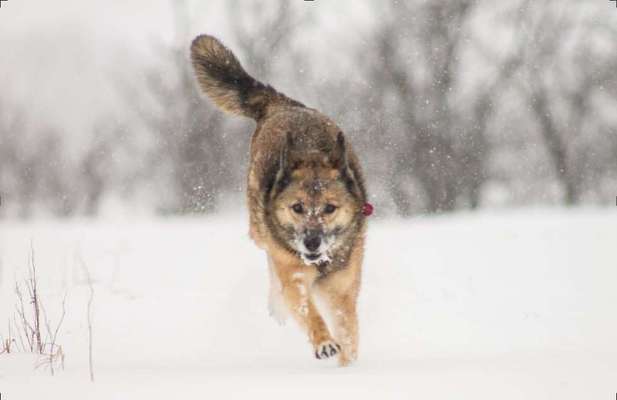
(27, 319)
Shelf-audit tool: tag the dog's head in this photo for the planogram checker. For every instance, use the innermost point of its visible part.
(315, 200)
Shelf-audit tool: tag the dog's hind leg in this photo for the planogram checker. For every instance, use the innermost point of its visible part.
(276, 303)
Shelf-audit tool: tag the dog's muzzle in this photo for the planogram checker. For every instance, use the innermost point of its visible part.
(313, 248)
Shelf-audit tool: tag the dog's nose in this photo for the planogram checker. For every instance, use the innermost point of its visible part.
(312, 243)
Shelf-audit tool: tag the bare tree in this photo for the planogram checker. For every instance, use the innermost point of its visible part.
(265, 34)
(433, 145)
(474, 169)
(562, 76)
(187, 132)
(32, 167)
(16, 167)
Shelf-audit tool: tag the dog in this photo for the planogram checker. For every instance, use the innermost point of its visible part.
(306, 200)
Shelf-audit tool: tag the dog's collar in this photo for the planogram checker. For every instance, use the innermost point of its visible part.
(367, 209)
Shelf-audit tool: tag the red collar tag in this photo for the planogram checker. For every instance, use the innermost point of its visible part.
(367, 209)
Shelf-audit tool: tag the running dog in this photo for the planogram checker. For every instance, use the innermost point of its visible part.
(306, 200)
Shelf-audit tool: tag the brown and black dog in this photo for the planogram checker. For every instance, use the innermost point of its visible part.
(306, 198)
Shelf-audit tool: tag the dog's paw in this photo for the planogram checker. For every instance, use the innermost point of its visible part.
(327, 349)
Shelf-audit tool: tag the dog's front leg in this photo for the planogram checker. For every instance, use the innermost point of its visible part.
(296, 281)
(343, 309)
(339, 290)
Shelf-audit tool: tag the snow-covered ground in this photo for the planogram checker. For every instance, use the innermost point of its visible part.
(517, 305)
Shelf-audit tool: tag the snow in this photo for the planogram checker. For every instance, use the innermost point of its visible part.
(506, 305)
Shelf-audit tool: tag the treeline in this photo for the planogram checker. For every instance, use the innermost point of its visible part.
(451, 105)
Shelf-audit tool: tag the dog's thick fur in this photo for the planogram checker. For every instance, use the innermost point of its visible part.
(305, 198)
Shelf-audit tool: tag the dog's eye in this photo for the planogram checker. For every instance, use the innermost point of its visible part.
(297, 208)
(329, 208)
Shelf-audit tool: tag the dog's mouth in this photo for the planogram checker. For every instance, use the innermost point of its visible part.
(315, 258)
(312, 256)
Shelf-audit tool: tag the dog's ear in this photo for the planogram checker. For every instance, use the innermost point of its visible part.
(282, 169)
(341, 162)
(284, 154)
(340, 158)
(340, 152)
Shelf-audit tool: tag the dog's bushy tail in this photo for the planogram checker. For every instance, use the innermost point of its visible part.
(223, 79)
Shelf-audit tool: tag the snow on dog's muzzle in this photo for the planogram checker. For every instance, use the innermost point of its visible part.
(314, 247)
